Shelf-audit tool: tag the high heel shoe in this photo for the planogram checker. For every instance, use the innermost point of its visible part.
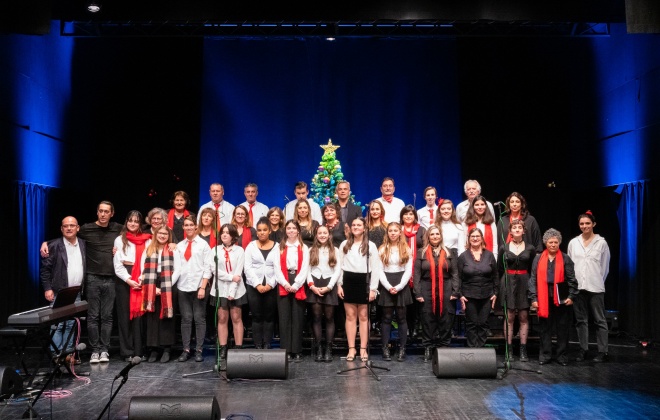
(363, 354)
(349, 357)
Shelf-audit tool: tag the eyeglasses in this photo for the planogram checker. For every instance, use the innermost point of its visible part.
(69, 226)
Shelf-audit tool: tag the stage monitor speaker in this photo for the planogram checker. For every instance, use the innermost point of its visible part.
(177, 407)
(257, 364)
(464, 362)
(10, 382)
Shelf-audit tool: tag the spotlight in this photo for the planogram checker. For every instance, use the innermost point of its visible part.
(94, 6)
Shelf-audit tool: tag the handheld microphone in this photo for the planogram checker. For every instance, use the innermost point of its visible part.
(134, 362)
(499, 203)
(286, 198)
(61, 358)
(414, 199)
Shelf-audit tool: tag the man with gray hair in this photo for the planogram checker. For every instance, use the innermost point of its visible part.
(472, 188)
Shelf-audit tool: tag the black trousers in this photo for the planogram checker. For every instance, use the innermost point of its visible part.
(477, 312)
(131, 331)
(560, 317)
(291, 312)
(263, 307)
(436, 327)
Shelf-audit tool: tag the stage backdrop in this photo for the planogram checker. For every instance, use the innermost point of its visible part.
(390, 104)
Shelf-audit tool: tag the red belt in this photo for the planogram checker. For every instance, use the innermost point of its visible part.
(516, 271)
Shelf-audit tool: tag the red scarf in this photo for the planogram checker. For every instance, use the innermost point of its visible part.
(300, 294)
(212, 239)
(388, 198)
(440, 280)
(542, 281)
(135, 297)
(412, 243)
(170, 217)
(247, 237)
(488, 235)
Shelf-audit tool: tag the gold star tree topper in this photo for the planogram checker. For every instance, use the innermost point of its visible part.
(329, 148)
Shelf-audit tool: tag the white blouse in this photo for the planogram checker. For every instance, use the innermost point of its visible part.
(292, 264)
(395, 266)
(230, 264)
(323, 269)
(355, 262)
(257, 268)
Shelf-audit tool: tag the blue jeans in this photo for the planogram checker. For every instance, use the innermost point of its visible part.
(100, 293)
(61, 333)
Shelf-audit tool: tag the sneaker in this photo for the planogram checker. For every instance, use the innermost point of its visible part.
(105, 357)
(600, 358)
(94, 359)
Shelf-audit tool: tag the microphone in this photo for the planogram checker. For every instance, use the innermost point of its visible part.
(414, 199)
(124, 372)
(61, 358)
(499, 203)
(286, 198)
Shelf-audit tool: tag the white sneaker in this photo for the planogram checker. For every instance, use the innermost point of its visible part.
(94, 359)
(105, 357)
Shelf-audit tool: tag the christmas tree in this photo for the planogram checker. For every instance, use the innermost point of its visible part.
(327, 177)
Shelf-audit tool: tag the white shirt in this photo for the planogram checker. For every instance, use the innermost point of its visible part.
(453, 236)
(122, 257)
(227, 269)
(462, 208)
(191, 273)
(256, 268)
(395, 266)
(258, 211)
(424, 216)
(393, 209)
(224, 211)
(323, 270)
(292, 264)
(355, 262)
(74, 265)
(314, 207)
(592, 264)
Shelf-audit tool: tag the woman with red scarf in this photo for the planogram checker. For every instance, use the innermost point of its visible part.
(516, 206)
(478, 276)
(158, 264)
(129, 245)
(437, 288)
(240, 220)
(291, 274)
(552, 290)
(414, 235)
(206, 227)
(480, 216)
(180, 203)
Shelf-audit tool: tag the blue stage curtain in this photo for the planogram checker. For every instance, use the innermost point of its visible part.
(638, 268)
(391, 105)
(32, 206)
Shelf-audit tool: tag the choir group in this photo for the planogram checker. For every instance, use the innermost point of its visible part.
(419, 266)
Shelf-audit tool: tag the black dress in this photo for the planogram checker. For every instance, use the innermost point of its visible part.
(377, 235)
(518, 270)
(308, 232)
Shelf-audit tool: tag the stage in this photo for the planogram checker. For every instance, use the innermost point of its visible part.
(628, 386)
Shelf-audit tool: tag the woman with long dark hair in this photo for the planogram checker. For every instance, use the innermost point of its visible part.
(324, 272)
(361, 267)
(453, 232)
(394, 292)
(332, 220)
(480, 216)
(303, 216)
(517, 209)
(276, 225)
(259, 268)
(376, 224)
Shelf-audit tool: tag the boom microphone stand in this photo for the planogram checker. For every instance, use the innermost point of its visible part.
(368, 364)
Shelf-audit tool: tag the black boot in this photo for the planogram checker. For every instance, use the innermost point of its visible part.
(223, 352)
(386, 354)
(401, 356)
(319, 353)
(427, 354)
(327, 357)
(523, 353)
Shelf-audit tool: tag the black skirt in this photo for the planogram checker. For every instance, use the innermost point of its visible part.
(328, 298)
(402, 298)
(356, 288)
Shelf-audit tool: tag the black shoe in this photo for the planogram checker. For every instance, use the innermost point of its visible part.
(297, 358)
(386, 354)
(401, 356)
(153, 356)
(165, 357)
(563, 362)
(223, 352)
(198, 356)
(427, 354)
(580, 356)
(327, 357)
(318, 357)
(544, 362)
(523, 353)
(184, 356)
(601, 358)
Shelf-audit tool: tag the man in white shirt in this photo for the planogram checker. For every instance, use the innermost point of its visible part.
(472, 188)
(301, 191)
(256, 210)
(224, 209)
(391, 204)
(426, 214)
(64, 267)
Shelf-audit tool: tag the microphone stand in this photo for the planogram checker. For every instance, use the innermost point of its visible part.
(368, 364)
(506, 366)
(107, 406)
